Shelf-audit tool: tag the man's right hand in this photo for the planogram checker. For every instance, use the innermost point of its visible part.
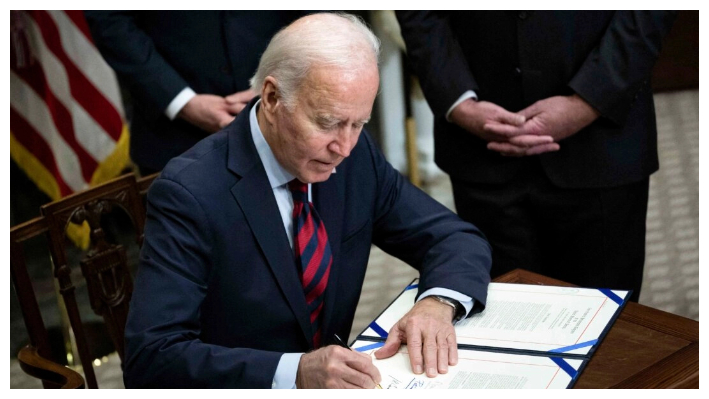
(495, 124)
(336, 367)
(208, 112)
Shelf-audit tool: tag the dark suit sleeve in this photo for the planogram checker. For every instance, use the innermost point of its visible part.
(436, 57)
(409, 224)
(621, 64)
(163, 346)
(132, 54)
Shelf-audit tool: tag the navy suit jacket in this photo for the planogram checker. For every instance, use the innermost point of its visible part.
(217, 297)
(514, 59)
(156, 54)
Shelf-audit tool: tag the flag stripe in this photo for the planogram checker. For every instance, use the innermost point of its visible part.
(28, 162)
(33, 109)
(90, 135)
(83, 91)
(26, 135)
(66, 116)
(77, 18)
(84, 54)
(34, 79)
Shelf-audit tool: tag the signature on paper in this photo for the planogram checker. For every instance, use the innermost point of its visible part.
(415, 383)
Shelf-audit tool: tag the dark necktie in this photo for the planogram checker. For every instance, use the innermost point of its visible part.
(312, 254)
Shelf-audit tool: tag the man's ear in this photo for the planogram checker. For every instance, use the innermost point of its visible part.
(270, 98)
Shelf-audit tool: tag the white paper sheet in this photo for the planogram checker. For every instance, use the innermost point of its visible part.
(477, 370)
(528, 317)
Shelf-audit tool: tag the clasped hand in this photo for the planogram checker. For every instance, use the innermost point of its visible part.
(211, 113)
(534, 130)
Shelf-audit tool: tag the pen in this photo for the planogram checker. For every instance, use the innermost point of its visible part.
(342, 343)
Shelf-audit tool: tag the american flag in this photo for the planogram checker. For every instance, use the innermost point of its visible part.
(67, 125)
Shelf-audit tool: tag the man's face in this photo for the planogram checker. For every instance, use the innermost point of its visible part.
(324, 124)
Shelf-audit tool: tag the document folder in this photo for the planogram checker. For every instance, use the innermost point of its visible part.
(533, 329)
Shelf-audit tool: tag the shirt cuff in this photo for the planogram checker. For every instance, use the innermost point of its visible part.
(468, 94)
(286, 371)
(464, 300)
(178, 102)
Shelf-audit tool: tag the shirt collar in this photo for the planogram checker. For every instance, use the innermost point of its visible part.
(277, 175)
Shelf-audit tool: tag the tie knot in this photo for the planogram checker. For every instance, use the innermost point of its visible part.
(297, 186)
(299, 190)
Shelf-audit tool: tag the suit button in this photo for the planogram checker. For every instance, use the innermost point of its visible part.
(518, 71)
(522, 15)
(225, 70)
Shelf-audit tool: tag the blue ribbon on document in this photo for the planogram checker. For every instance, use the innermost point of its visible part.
(565, 366)
(370, 346)
(610, 294)
(378, 329)
(572, 347)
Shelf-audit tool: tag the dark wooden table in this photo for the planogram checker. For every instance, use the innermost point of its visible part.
(645, 348)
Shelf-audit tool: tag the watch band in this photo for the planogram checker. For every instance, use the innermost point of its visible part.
(458, 308)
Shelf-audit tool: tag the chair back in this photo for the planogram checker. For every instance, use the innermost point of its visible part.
(103, 267)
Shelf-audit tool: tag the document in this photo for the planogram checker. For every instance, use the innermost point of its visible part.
(523, 318)
(528, 336)
(476, 370)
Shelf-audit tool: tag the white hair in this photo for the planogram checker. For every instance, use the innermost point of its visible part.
(329, 39)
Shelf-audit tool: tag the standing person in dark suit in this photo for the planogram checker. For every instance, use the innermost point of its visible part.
(256, 248)
(545, 123)
(187, 71)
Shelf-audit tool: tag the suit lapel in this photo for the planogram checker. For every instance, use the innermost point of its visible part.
(328, 198)
(254, 195)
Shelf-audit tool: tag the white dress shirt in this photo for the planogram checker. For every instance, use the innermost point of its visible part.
(177, 103)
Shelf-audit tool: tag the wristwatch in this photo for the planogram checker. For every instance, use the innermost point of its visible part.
(458, 308)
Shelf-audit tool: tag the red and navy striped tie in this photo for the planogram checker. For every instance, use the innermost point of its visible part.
(312, 254)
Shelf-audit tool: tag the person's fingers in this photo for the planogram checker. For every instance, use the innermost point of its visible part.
(510, 118)
(414, 344)
(530, 140)
(507, 149)
(348, 385)
(368, 374)
(225, 120)
(235, 108)
(452, 349)
(442, 361)
(241, 107)
(540, 149)
(241, 96)
(502, 129)
(334, 369)
(391, 346)
(430, 355)
(357, 379)
(531, 111)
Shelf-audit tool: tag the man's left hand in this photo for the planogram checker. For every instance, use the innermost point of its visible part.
(428, 332)
(558, 117)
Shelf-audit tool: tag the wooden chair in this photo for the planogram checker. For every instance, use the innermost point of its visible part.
(103, 266)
